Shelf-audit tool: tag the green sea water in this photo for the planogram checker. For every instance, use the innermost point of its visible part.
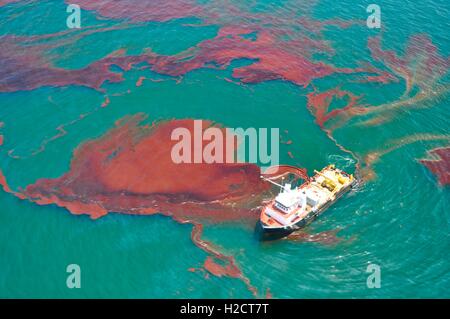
(400, 220)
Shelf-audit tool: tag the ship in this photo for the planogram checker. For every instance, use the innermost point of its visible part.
(295, 207)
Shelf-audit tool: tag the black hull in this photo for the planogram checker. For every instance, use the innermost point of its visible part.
(268, 234)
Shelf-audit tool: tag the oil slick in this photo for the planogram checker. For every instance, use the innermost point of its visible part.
(96, 183)
(440, 165)
(154, 184)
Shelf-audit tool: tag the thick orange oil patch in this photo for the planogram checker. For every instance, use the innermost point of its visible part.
(130, 170)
